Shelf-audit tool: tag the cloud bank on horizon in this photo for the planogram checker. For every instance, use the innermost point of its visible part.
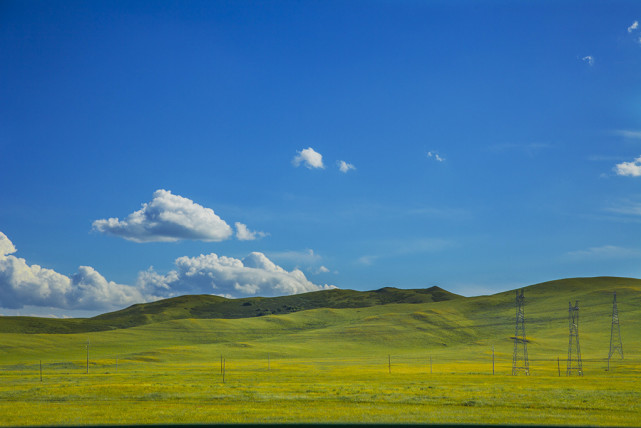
(22, 284)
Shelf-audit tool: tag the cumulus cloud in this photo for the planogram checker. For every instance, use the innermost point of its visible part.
(629, 169)
(589, 59)
(244, 234)
(230, 277)
(22, 285)
(167, 218)
(633, 27)
(344, 166)
(310, 158)
(322, 269)
(435, 156)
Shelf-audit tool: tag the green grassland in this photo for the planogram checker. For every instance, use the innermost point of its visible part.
(401, 356)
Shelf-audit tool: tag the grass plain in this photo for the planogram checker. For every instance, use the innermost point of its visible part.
(426, 362)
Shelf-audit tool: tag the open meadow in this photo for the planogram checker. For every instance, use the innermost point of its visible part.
(395, 363)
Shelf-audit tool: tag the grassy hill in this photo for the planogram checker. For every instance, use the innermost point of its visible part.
(208, 307)
(383, 321)
(369, 359)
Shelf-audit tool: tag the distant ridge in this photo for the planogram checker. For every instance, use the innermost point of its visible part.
(206, 306)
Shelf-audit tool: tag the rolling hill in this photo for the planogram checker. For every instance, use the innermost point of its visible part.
(339, 323)
(210, 307)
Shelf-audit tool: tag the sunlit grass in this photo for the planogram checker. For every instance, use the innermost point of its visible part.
(397, 363)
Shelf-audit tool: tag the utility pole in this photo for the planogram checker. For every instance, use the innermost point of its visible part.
(389, 363)
(520, 360)
(574, 339)
(615, 332)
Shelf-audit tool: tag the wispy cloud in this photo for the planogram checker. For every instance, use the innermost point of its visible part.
(344, 167)
(604, 252)
(589, 59)
(628, 134)
(435, 156)
(404, 247)
(626, 207)
(310, 158)
(167, 218)
(629, 169)
(305, 257)
(634, 26)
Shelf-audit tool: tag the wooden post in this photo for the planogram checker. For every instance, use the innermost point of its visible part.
(558, 365)
(223, 370)
(221, 363)
(492, 360)
(40, 370)
(389, 363)
(87, 356)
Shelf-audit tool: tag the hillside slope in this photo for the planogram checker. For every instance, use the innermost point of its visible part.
(209, 307)
(448, 330)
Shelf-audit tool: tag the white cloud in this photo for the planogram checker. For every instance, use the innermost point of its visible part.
(32, 286)
(633, 27)
(589, 59)
(344, 166)
(167, 218)
(22, 285)
(435, 156)
(253, 275)
(629, 169)
(604, 252)
(322, 269)
(6, 246)
(244, 234)
(310, 158)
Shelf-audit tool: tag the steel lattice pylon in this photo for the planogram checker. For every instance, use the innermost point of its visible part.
(615, 333)
(574, 365)
(519, 359)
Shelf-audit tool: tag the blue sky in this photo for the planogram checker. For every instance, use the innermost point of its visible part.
(485, 145)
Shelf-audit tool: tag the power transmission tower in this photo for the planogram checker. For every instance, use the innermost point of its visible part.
(574, 338)
(519, 359)
(615, 333)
